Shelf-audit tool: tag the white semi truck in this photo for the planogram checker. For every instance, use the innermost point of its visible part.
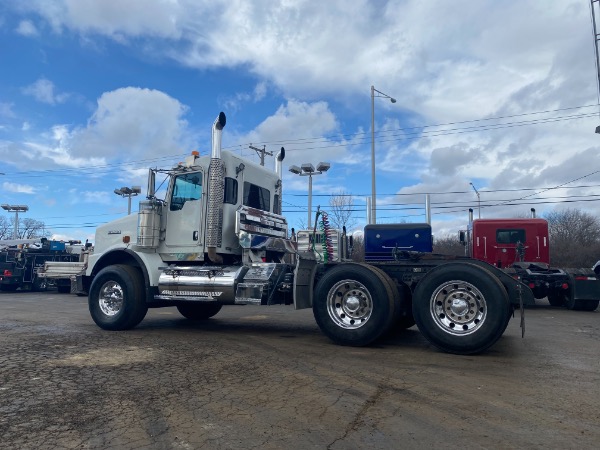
(218, 238)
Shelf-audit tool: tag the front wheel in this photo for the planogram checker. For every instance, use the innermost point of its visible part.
(39, 285)
(353, 304)
(117, 298)
(199, 311)
(461, 308)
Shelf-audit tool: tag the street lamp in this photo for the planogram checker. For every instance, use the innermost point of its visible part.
(373, 193)
(478, 200)
(128, 192)
(15, 209)
(308, 170)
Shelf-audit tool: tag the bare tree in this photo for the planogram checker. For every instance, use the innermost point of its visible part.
(301, 224)
(358, 249)
(448, 245)
(28, 228)
(340, 206)
(574, 237)
(6, 229)
(32, 228)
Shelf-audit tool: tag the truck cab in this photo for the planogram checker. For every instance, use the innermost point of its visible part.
(503, 242)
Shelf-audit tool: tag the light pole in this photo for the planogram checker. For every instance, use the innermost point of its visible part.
(15, 209)
(478, 200)
(128, 192)
(308, 170)
(373, 192)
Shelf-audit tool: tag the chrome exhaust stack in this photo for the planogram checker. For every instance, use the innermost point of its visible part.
(214, 219)
(279, 187)
(279, 162)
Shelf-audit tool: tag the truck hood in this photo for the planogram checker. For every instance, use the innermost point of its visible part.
(112, 233)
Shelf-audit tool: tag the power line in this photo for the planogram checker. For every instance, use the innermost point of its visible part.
(421, 127)
(383, 134)
(455, 192)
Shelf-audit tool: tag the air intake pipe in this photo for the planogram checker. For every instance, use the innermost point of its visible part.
(214, 217)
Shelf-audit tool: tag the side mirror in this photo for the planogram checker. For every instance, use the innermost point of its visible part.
(462, 237)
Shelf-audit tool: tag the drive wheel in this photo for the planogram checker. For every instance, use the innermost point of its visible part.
(117, 298)
(589, 305)
(402, 315)
(199, 311)
(461, 308)
(582, 305)
(353, 304)
(556, 299)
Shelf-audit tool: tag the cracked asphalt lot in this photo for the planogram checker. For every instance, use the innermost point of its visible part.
(265, 377)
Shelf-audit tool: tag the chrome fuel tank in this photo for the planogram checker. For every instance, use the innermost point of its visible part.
(215, 283)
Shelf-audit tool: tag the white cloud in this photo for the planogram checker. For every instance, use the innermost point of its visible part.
(290, 124)
(100, 197)
(129, 124)
(27, 28)
(133, 123)
(115, 18)
(6, 110)
(18, 188)
(43, 90)
(444, 62)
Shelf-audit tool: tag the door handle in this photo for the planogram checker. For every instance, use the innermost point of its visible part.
(195, 236)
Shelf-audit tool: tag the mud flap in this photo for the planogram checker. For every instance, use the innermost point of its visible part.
(522, 308)
(304, 277)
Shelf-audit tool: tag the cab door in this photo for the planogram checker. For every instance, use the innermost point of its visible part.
(184, 213)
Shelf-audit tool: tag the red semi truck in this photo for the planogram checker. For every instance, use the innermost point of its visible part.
(521, 247)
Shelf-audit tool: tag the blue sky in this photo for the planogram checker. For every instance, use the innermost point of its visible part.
(499, 94)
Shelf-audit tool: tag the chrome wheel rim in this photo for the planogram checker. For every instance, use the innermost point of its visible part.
(111, 298)
(458, 307)
(349, 304)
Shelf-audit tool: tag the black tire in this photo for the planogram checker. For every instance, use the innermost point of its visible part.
(63, 289)
(589, 305)
(199, 311)
(581, 305)
(402, 316)
(353, 304)
(556, 299)
(39, 285)
(461, 308)
(405, 319)
(117, 299)
(9, 287)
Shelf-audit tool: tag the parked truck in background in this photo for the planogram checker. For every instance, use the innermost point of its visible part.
(218, 238)
(521, 247)
(64, 273)
(20, 263)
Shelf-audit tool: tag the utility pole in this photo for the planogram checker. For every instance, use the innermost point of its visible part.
(261, 152)
(593, 5)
